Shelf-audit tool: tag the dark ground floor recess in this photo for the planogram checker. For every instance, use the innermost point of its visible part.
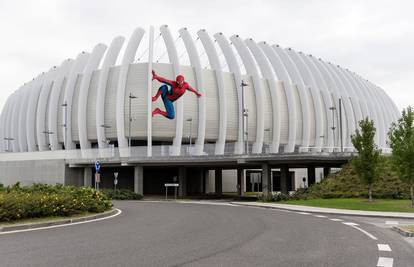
(199, 180)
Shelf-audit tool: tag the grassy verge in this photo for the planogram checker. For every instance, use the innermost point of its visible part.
(390, 205)
(46, 219)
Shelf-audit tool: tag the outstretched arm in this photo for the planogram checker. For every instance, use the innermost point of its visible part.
(161, 79)
(191, 89)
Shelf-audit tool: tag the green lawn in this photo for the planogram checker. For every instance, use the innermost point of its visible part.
(396, 205)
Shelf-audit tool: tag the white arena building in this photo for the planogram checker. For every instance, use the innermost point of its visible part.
(289, 109)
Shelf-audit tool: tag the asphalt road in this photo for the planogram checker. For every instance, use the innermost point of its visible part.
(176, 234)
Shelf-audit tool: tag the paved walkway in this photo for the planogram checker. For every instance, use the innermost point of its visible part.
(405, 215)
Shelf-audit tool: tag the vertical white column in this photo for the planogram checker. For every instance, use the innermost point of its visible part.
(215, 65)
(303, 95)
(274, 94)
(31, 113)
(283, 75)
(3, 119)
(15, 118)
(195, 63)
(78, 67)
(149, 91)
(8, 122)
(109, 61)
(22, 116)
(93, 64)
(252, 70)
(127, 59)
(53, 106)
(41, 119)
(310, 84)
(235, 68)
(175, 149)
(327, 101)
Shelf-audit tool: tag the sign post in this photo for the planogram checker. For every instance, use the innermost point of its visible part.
(175, 185)
(115, 182)
(97, 174)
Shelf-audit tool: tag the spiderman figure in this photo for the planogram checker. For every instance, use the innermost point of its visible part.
(170, 91)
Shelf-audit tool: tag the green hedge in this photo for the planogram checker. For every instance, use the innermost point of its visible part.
(121, 194)
(40, 200)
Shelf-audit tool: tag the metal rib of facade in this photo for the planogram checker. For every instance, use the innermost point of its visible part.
(292, 100)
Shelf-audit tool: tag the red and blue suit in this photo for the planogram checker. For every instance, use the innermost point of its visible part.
(170, 91)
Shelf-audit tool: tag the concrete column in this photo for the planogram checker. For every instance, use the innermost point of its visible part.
(326, 171)
(182, 180)
(139, 180)
(204, 181)
(311, 175)
(87, 176)
(266, 178)
(218, 181)
(284, 175)
(241, 180)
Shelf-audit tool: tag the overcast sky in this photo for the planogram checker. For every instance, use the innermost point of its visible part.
(373, 38)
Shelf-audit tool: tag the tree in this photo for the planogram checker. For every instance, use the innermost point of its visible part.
(401, 137)
(366, 162)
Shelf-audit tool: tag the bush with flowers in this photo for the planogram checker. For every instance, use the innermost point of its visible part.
(41, 200)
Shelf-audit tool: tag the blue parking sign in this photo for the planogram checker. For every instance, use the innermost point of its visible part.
(97, 166)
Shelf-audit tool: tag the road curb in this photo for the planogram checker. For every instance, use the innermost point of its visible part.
(402, 231)
(321, 211)
(4, 229)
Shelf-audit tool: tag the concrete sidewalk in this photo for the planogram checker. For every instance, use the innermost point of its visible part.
(403, 215)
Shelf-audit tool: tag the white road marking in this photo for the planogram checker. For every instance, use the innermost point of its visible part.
(391, 222)
(61, 225)
(336, 220)
(350, 223)
(385, 262)
(303, 213)
(384, 247)
(354, 225)
(320, 216)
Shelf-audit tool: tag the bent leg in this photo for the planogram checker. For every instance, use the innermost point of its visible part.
(163, 90)
(169, 108)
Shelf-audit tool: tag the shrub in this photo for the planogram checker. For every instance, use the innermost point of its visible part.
(41, 200)
(121, 194)
(346, 184)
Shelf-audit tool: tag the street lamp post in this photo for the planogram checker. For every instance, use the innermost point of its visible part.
(267, 130)
(8, 139)
(190, 121)
(340, 124)
(130, 97)
(333, 122)
(245, 115)
(105, 127)
(46, 134)
(65, 106)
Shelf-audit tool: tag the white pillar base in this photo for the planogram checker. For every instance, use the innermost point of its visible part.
(257, 148)
(219, 148)
(139, 180)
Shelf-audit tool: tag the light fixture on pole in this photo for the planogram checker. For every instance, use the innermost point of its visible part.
(267, 130)
(65, 125)
(340, 124)
(130, 97)
(8, 139)
(333, 123)
(244, 115)
(190, 121)
(46, 134)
